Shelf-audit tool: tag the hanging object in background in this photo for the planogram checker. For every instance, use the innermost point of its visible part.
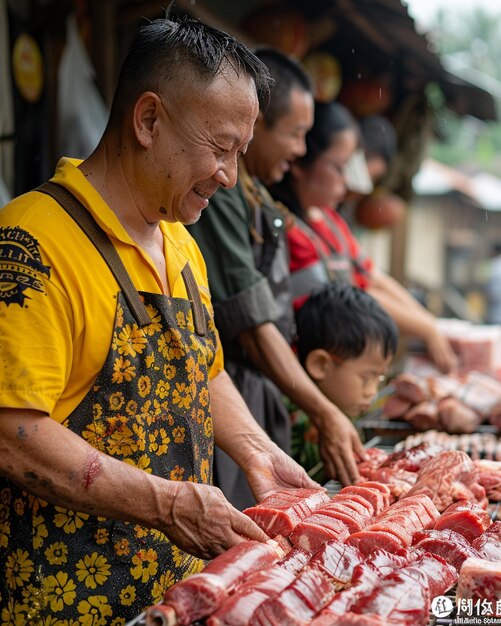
(366, 96)
(82, 112)
(27, 67)
(381, 209)
(325, 72)
(280, 27)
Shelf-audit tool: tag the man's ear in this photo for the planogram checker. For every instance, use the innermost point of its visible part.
(317, 363)
(145, 117)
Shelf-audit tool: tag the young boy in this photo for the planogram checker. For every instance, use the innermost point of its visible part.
(346, 343)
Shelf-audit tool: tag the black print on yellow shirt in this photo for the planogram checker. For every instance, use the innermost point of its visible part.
(21, 265)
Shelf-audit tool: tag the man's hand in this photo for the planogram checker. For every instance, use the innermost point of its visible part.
(272, 469)
(202, 522)
(440, 352)
(340, 446)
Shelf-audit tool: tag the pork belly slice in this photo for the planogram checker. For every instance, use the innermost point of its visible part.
(440, 574)
(238, 608)
(367, 541)
(200, 595)
(312, 532)
(297, 603)
(401, 596)
(295, 560)
(466, 518)
(488, 544)
(338, 560)
(372, 495)
(448, 544)
(281, 512)
(480, 579)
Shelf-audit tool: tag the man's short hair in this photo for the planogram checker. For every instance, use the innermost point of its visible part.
(344, 320)
(288, 74)
(169, 53)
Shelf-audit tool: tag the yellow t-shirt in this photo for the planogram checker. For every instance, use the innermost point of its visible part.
(58, 296)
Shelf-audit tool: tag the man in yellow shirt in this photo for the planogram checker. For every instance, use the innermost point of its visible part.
(113, 391)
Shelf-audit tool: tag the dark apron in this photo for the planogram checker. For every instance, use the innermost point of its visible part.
(148, 407)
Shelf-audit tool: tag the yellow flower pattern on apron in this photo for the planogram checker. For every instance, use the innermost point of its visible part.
(148, 407)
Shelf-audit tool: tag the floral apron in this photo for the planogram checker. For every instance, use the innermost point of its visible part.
(149, 407)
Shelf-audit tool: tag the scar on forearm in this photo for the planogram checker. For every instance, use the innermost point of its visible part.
(92, 470)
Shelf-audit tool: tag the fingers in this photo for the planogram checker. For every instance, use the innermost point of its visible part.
(244, 527)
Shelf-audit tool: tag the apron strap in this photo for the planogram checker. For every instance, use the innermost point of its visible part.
(101, 241)
(195, 299)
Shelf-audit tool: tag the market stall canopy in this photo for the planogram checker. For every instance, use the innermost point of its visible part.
(375, 42)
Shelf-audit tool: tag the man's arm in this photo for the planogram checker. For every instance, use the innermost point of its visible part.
(48, 460)
(266, 466)
(412, 318)
(339, 440)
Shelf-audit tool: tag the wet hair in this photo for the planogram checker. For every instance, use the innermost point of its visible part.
(331, 118)
(173, 52)
(288, 75)
(344, 320)
(378, 137)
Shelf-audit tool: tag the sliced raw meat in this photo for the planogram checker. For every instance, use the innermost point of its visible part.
(386, 562)
(368, 541)
(281, 512)
(356, 503)
(402, 597)
(456, 417)
(374, 496)
(238, 608)
(423, 416)
(412, 388)
(295, 560)
(466, 518)
(297, 603)
(413, 458)
(490, 478)
(488, 544)
(441, 575)
(395, 407)
(383, 489)
(364, 580)
(353, 520)
(311, 533)
(480, 580)
(200, 595)
(338, 561)
(448, 544)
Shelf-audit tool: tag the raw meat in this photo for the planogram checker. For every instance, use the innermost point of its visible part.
(402, 596)
(456, 417)
(488, 544)
(445, 477)
(201, 594)
(480, 580)
(424, 415)
(316, 529)
(412, 388)
(466, 518)
(281, 512)
(396, 407)
(239, 607)
(448, 544)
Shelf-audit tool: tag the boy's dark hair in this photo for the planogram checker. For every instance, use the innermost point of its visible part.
(288, 74)
(173, 52)
(344, 320)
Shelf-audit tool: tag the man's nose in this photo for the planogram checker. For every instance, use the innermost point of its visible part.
(227, 174)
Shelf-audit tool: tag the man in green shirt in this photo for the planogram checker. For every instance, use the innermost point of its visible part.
(242, 237)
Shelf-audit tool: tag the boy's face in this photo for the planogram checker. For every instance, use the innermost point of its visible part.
(353, 384)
